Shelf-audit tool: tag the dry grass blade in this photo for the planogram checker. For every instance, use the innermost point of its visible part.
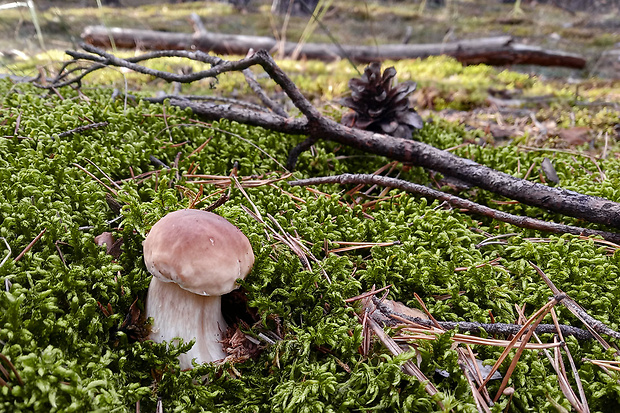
(514, 341)
(103, 173)
(428, 313)
(366, 333)
(96, 179)
(582, 395)
(281, 235)
(360, 245)
(534, 320)
(409, 367)
(422, 334)
(368, 294)
(494, 263)
(558, 365)
(224, 181)
(481, 403)
(607, 364)
(478, 377)
(199, 148)
(9, 252)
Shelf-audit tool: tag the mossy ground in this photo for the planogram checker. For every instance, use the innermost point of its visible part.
(72, 356)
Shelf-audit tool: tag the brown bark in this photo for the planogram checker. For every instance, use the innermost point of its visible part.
(493, 50)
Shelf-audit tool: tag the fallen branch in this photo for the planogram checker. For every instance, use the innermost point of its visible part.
(455, 201)
(316, 126)
(593, 324)
(82, 128)
(499, 50)
(409, 367)
(473, 327)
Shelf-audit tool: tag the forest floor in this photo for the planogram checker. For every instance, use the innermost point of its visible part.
(594, 34)
(65, 301)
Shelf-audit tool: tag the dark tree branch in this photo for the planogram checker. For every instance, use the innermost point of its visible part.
(473, 327)
(589, 208)
(520, 221)
(212, 111)
(293, 155)
(201, 98)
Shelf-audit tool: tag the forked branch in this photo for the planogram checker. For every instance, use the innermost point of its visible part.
(318, 127)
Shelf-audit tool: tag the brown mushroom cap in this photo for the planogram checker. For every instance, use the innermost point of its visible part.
(200, 251)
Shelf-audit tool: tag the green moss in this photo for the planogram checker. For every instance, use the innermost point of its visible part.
(73, 357)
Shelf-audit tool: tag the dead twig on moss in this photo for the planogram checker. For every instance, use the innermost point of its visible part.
(83, 128)
(316, 126)
(6, 377)
(474, 327)
(455, 201)
(590, 322)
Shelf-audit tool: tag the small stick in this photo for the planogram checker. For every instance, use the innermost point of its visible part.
(592, 323)
(83, 128)
(158, 162)
(520, 221)
(96, 179)
(29, 246)
(258, 90)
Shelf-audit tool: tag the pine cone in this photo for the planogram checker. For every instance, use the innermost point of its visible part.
(379, 107)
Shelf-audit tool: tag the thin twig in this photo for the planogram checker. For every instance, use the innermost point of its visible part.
(29, 246)
(258, 90)
(491, 329)
(520, 221)
(103, 173)
(593, 324)
(83, 128)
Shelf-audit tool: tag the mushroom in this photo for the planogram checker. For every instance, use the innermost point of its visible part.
(195, 257)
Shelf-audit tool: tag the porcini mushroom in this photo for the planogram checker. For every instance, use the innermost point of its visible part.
(195, 257)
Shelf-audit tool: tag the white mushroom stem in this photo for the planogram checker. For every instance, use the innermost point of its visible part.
(180, 313)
